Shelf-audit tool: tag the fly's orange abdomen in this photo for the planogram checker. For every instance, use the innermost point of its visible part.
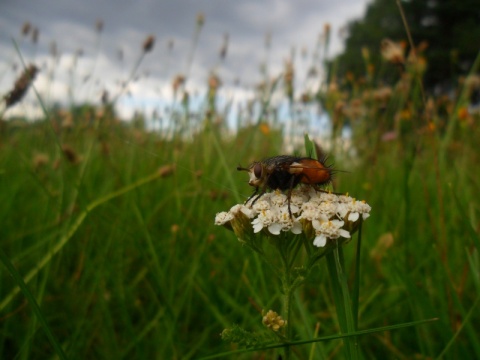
(314, 172)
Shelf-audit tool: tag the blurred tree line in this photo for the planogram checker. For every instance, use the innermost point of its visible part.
(449, 31)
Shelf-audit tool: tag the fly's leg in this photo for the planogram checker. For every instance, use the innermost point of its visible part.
(251, 196)
(258, 196)
(289, 196)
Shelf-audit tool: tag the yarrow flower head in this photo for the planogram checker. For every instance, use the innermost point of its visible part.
(273, 321)
(319, 215)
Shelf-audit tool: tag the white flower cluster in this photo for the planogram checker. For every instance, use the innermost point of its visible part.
(331, 216)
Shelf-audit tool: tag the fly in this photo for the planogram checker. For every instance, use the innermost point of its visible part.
(285, 172)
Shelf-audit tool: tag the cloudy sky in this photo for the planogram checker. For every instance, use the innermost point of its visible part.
(87, 61)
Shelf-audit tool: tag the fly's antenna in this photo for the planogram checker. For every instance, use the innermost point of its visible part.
(240, 168)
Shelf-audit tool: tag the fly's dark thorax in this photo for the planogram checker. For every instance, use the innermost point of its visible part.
(279, 176)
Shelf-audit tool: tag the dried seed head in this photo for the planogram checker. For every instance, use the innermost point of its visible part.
(67, 121)
(170, 44)
(105, 97)
(99, 25)
(148, 43)
(200, 19)
(177, 82)
(166, 170)
(39, 160)
(214, 82)
(70, 154)
(224, 48)
(120, 54)
(21, 86)
(392, 52)
(289, 72)
(26, 28)
(326, 32)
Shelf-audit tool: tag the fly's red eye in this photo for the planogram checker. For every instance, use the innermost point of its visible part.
(257, 171)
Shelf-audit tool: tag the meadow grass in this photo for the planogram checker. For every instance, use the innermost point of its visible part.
(111, 228)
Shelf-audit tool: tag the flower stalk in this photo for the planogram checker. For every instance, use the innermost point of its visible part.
(292, 244)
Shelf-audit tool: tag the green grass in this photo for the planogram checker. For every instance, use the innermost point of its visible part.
(121, 262)
(125, 283)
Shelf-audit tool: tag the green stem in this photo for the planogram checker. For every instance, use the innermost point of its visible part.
(288, 255)
(356, 283)
(343, 303)
(287, 299)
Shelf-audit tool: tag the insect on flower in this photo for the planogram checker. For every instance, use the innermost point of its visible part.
(285, 172)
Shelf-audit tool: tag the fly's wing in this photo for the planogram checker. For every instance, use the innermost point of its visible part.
(280, 162)
(278, 174)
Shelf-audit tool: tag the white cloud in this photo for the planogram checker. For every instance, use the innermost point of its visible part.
(126, 24)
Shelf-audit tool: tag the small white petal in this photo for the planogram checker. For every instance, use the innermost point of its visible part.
(257, 227)
(353, 216)
(235, 208)
(320, 241)
(296, 228)
(365, 216)
(248, 212)
(343, 233)
(275, 228)
(223, 217)
(316, 224)
(337, 223)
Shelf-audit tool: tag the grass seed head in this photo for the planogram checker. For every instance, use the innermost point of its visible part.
(26, 28)
(70, 154)
(148, 43)
(200, 19)
(99, 25)
(21, 86)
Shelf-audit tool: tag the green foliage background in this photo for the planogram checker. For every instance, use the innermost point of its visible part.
(111, 228)
(448, 28)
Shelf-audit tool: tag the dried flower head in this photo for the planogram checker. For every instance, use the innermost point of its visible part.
(40, 160)
(26, 27)
(105, 97)
(224, 48)
(21, 86)
(148, 43)
(67, 120)
(99, 25)
(200, 19)
(214, 82)
(166, 170)
(392, 51)
(273, 321)
(70, 154)
(177, 82)
(288, 77)
(326, 32)
(320, 216)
